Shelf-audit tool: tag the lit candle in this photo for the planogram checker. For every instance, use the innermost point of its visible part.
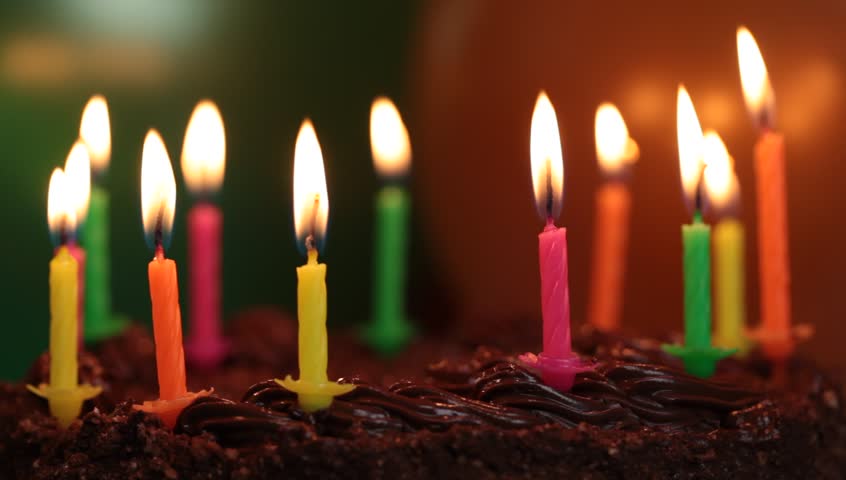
(616, 151)
(774, 334)
(557, 363)
(78, 171)
(311, 213)
(95, 132)
(723, 202)
(158, 201)
(389, 329)
(203, 163)
(699, 357)
(63, 393)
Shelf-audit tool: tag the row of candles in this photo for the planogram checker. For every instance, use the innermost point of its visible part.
(710, 186)
(707, 178)
(71, 208)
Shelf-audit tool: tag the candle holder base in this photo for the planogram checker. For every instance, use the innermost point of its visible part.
(698, 361)
(169, 410)
(205, 353)
(779, 346)
(313, 396)
(742, 344)
(388, 340)
(102, 330)
(557, 372)
(65, 403)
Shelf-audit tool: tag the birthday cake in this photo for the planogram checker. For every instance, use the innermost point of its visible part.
(635, 414)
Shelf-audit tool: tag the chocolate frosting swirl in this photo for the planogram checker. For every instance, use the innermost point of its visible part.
(497, 393)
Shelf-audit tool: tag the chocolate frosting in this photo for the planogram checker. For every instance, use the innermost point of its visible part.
(497, 393)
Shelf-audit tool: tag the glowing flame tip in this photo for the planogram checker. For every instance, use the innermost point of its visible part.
(615, 150)
(389, 139)
(95, 132)
(719, 179)
(546, 159)
(689, 134)
(158, 191)
(204, 149)
(311, 198)
(757, 91)
(61, 213)
(78, 175)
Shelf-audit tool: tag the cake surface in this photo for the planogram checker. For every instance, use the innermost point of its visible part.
(484, 416)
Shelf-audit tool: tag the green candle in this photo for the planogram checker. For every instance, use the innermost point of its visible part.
(99, 320)
(699, 357)
(389, 329)
(696, 240)
(95, 132)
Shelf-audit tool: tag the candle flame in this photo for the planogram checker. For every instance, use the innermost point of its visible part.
(690, 145)
(95, 132)
(78, 175)
(204, 150)
(158, 191)
(547, 160)
(388, 139)
(61, 214)
(311, 198)
(719, 179)
(757, 91)
(615, 150)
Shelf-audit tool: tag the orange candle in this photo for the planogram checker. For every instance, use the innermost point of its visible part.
(158, 201)
(167, 326)
(615, 152)
(775, 333)
(773, 254)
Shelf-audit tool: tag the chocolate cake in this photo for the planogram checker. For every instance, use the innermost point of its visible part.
(484, 416)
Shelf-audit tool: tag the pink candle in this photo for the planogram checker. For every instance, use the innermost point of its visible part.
(555, 291)
(206, 345)
(203, 163)
(558, 365)
(78, 171)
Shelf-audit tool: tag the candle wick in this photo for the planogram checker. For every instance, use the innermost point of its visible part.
(158, 240)
(311, 243)
(766, 119)
(549, 199)
(697, 198)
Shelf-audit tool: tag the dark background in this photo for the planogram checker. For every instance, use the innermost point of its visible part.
(465, 74)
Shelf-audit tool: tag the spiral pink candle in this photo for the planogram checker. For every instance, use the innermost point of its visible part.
(555, 291)
(206, 345)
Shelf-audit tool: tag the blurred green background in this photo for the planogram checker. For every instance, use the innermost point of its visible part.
(266, 65)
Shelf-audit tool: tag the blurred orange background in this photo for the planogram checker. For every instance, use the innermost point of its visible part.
(477, 69)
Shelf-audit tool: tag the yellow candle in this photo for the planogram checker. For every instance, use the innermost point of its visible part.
(311, 212)
(311, 313)
(728, 240)
(730, 277)
(63, 319)
(64, 395)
